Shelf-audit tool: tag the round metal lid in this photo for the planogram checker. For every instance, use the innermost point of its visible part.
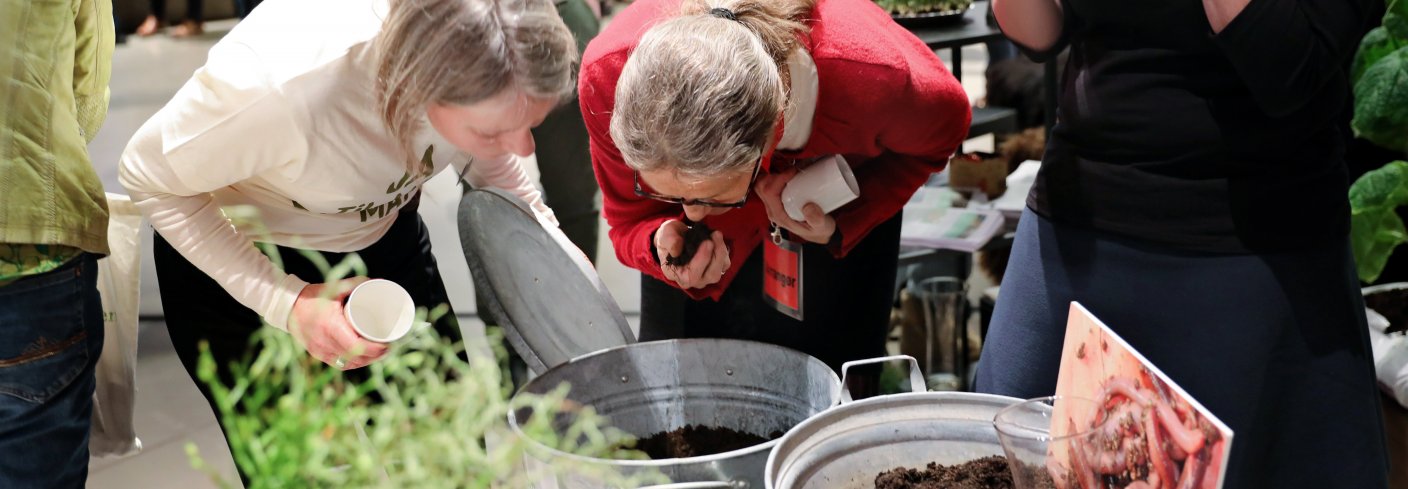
(542, 290)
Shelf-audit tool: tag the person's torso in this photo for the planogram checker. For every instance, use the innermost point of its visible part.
(346, 190)
(1159, 138)
(49, 192)
(857, 51)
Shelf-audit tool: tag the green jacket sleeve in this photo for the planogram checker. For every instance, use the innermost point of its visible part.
(92, 66)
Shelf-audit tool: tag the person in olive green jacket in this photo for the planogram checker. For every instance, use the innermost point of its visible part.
(55, 61)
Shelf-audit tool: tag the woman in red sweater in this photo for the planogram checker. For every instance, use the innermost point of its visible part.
(701, 111)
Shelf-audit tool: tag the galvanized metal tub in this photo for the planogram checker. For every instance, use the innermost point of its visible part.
(847, 446)
(647, 388)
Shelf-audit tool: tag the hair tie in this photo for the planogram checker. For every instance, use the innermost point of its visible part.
(723, 13)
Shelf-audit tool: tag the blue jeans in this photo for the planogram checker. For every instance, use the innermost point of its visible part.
(1274, 344)
(51, 334)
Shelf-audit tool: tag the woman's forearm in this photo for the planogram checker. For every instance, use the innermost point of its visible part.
(1035, 24)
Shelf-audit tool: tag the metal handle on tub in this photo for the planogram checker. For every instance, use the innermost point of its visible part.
(916, 378)
(699, 485)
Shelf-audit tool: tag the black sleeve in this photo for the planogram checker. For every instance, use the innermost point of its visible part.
(1286, 50)
(1070, 23)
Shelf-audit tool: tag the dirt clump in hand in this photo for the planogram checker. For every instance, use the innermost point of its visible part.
(695, 236)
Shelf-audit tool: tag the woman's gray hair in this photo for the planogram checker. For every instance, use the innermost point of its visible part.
(701, 93)
(459, 52)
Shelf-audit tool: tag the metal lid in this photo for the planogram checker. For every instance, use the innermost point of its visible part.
(540, 288)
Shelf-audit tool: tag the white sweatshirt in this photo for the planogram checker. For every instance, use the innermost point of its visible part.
(283, 119)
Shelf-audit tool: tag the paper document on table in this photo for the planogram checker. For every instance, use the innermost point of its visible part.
(1019, 184)
(930, 221)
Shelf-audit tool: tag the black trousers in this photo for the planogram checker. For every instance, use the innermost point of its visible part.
(846, 304)
(198, 309)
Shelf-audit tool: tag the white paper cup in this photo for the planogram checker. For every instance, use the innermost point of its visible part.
(828, 183)
(380, 310)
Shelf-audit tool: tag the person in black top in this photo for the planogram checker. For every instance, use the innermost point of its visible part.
(1194, 196)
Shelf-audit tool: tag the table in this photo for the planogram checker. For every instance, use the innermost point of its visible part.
(973, 29)
(915, 262)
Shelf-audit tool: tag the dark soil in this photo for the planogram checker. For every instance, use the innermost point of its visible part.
(984, 473)
(1392, 304)
(695, 236)
(698, 441)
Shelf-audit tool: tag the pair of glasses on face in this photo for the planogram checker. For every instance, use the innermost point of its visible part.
(641, 192)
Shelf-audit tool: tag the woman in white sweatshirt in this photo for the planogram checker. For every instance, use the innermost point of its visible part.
(325, 117)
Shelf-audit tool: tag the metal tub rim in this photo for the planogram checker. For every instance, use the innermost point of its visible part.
(806, 429)
(768, 446)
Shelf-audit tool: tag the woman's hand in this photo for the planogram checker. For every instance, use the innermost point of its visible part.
(319, 324)
(707, 266)
(818, 226)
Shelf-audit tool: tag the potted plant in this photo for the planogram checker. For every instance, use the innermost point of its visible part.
(1380, 77)
(427, 416)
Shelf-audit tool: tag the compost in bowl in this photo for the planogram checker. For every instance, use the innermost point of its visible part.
(849, 446)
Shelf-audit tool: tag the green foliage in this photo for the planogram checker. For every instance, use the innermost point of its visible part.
(1381, 102)
(911, 7)
(1377, 44)
(1396, 19)
(428, 415)
(421, 419)
(1375, 228)
(1380, 77)
(893, 379)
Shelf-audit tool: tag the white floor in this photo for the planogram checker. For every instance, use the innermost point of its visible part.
(171, 412)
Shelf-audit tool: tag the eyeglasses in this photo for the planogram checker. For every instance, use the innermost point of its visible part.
(641, 192)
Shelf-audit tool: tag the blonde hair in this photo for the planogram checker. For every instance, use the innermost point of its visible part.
(701, 93)
(459, 52)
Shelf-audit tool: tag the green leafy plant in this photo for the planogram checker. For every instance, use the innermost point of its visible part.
(913, 7)
(1380, 76)
(1375, 228)
(428, 415)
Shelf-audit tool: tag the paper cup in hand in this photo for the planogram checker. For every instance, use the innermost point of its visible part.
(380, 310)
(828, 183)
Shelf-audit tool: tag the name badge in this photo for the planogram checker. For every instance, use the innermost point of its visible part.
(782, 276)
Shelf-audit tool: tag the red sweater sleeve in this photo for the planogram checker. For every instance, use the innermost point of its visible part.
(921, 122)
(633, 220)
